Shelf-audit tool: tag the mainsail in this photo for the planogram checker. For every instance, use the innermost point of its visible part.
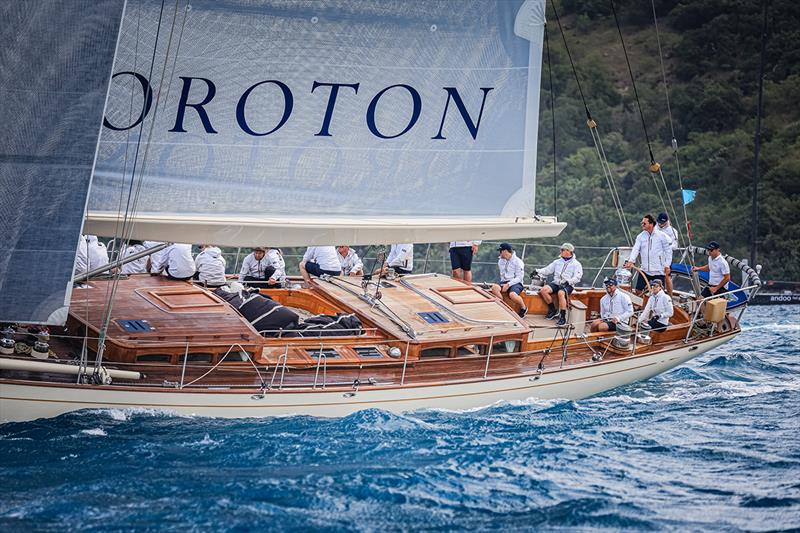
(295, 122)
(55, 64)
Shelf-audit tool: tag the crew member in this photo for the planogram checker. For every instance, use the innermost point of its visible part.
(658, 310)
(275, 258)
(664, 226)
(348, 258)
(719, 271)
(210, 266)
(319, 260)
(567, 272)
(461, 254)
(401, 258)
(137, 266)
(615, 308)
(256, 267)
(655, 250)
(512, 272)
(176, 262)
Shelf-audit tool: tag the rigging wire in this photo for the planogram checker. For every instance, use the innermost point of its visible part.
(592, 125)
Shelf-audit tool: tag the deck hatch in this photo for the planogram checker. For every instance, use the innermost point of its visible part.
(136, 326)
(433, 317)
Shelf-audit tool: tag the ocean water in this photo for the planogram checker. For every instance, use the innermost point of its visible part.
(711, 446)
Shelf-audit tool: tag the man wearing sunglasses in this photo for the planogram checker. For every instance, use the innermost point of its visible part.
(655, 252)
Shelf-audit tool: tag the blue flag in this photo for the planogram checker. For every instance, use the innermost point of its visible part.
(688, 196)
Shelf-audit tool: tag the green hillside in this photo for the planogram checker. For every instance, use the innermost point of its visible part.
(711, 53)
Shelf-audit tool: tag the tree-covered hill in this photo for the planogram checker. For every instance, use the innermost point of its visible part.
(711, 54)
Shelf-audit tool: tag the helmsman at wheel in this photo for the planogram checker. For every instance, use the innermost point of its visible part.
(655, 250)
(567, 272)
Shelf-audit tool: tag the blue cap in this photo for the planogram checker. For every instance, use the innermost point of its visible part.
(505, 246)
(657, 282)
(662, 218)
(609, 281)
(713, 245)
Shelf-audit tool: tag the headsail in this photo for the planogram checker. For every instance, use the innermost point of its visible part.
(295, 122)
(56, 62)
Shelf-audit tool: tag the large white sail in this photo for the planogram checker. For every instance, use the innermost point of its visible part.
(295, 122)
(55, 64)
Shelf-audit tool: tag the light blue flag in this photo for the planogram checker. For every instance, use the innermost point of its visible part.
(688, 196)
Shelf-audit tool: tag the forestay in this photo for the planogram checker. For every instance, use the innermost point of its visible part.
(296, 122)
(55, 64)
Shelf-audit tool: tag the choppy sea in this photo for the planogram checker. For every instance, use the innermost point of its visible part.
(712, 445)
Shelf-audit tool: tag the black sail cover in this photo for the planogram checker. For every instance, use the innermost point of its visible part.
(56, 59)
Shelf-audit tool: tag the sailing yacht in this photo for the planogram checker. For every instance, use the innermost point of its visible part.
(288, 123)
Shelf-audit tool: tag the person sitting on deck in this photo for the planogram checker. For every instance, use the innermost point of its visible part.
(512, 272)
(659, 306)
(319, 260)
(719, 271)
(351, 264)
(275, 258)
(255, 267)
(176, 263)
(567, 272)
(615, 308)
(401, 258)
(210, 266)
(655, 250)
(137, 266)
(154, 257)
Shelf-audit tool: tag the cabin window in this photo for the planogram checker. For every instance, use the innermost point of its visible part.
(471, 349)
(328, 353)
(443, 351)
(368, 352)
(236, 356)
(506, 347)
(198, 358)
(153, 358)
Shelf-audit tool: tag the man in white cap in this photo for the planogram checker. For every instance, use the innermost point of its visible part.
(658, 310)
(567, 272)
(512, 273)
(615, 308)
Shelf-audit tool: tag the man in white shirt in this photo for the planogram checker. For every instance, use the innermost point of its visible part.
(348, 258)
(155, 258)
(461, 254)
(91, 254)
(664, 227)
(82, 257)
(137, 266)
(176, 263)
(655, 250)
(275, 258)
(210, 266)
(512, 272)
(615, 307)
(319, 260)
(659, 309)
(256, 267)
(719, 271)
(567, 273)
(401, 258)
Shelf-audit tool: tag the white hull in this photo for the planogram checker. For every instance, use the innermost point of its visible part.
(29, 401)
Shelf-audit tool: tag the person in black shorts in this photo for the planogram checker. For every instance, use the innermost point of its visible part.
(461, 254)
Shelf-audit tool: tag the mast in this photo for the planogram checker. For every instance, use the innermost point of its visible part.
(754, 215)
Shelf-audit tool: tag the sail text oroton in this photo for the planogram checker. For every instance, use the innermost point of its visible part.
(286, 94)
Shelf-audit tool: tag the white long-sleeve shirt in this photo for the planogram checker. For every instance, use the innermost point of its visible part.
(82, 257)
(401, 255)
(350, 262)
(564, 271)
(655, 250)
(671, 234)
(177, 258)
(210, 265)
(253, 267)
(512, 270)
(275, 259)
(325, 256)
(97, 252)
(659, 305)
(156, 258)
(461, 244)
(137, 266)
(617, 306)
